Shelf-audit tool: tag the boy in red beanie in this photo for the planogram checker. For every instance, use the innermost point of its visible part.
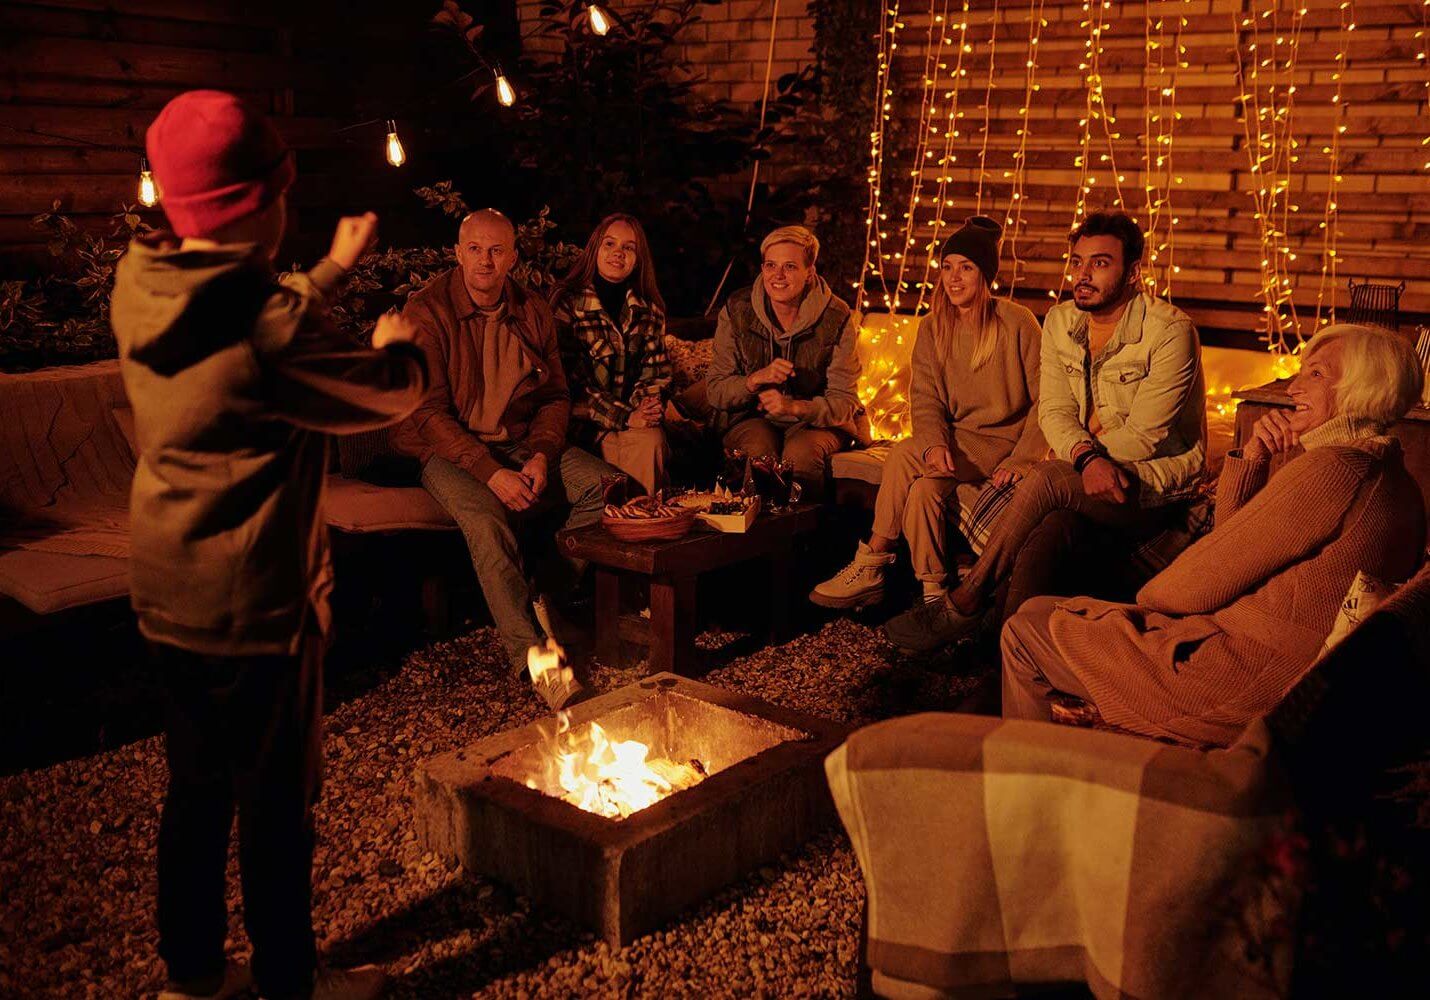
(237, 379)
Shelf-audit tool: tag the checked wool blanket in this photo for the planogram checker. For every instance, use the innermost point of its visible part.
(998, 853)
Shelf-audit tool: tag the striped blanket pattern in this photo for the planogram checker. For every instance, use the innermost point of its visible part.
(997, 853)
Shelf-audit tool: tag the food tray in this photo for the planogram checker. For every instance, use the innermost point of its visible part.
(732, 522)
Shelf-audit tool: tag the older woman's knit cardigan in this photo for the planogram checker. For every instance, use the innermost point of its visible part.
(1217, 638)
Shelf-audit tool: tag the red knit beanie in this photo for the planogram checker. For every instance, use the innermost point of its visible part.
(216, 160)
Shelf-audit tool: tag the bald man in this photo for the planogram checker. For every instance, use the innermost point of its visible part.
(491, 431)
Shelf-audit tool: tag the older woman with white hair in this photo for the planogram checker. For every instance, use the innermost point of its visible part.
(1220, 636)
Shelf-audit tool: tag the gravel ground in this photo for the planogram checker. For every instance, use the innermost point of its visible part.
(77, 858)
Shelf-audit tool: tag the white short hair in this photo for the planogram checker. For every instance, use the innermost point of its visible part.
(1381, 378)
(798, 235)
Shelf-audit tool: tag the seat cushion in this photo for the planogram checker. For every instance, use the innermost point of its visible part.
(863, 464)
(356, 506)
(46, 582)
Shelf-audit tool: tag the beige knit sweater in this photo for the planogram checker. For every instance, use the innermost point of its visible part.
(1218, 637)
(987, 418)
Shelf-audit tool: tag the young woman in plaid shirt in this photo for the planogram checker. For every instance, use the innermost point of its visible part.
(610, 324)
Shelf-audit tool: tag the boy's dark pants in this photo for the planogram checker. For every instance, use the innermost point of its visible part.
(244, 735)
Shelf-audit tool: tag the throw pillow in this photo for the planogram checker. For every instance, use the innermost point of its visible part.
(1366, 594)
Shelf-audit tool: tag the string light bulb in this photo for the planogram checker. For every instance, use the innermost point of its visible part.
(148, 190)
(600, 23)
(1270, 142)
(396, 155)
(506, 94)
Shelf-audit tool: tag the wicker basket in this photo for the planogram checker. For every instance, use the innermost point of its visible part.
(650, 529)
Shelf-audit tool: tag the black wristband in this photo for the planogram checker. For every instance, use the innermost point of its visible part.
(1087, 458)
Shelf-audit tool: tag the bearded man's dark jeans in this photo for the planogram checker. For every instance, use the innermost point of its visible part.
(244, 735)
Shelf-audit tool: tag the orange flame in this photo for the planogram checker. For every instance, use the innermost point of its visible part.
(547, 665)
(613, 778)
(610, 777)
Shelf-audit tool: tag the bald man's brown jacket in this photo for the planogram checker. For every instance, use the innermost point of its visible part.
(450, 332)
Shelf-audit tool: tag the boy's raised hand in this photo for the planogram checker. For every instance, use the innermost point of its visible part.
(355, 236)
(392, 328)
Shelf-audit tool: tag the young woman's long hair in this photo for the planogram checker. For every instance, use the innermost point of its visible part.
(979, 320)
(583, 271)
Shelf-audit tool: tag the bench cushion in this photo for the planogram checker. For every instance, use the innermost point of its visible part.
(355, 506)
(46, 582)
(863, 464)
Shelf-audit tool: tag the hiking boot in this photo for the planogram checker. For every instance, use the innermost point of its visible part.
(927, 627)
(857, 585)
(236, 979)
(366, 982)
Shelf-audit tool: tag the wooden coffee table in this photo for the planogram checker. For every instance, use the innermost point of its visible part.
(673, 569)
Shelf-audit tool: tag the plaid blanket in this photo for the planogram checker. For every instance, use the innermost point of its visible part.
(1000, 853)
(611, 365)
(1149, 558)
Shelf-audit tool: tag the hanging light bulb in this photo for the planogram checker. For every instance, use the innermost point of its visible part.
(396, 155)
(148, 190)
(600, 23)
(505, 94)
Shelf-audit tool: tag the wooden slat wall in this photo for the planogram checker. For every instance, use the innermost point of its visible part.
(1384, 196)
(99, 70)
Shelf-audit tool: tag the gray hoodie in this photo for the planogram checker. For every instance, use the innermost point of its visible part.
(821, 343)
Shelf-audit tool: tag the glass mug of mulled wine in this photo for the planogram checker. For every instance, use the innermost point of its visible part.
(734, 472)
(616, 488)
(774, 483)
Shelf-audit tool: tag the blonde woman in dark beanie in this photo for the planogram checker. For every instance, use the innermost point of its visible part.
(237, 379)
(974, 396)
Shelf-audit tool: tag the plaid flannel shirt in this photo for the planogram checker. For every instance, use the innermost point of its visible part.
(611, 367)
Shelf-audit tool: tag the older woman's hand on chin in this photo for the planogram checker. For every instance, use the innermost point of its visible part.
(1271, 435)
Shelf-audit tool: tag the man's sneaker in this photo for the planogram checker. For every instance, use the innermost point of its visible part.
(857, 585)
(366, 982)
(927, 627)
(236, 980)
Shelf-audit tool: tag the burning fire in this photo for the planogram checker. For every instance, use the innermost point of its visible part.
(589, 769)
(553, 679)
(611, 777)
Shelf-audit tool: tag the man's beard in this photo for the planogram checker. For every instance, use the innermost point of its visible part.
(1101, 301)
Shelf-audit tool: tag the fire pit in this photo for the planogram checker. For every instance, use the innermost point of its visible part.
(635, 804)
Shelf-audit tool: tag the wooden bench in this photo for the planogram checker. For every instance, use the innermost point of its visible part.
(68, 436)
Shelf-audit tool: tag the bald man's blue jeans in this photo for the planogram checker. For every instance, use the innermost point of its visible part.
(491, 532)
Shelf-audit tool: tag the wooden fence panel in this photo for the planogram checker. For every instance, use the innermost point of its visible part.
(1384, 160)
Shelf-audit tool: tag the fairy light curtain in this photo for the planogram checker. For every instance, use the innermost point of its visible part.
(1251, 143)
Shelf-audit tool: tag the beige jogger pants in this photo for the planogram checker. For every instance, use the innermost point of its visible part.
(917, 503)
(641, 453)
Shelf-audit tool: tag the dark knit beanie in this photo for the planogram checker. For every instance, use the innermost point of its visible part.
(977, 239)
(216, 160)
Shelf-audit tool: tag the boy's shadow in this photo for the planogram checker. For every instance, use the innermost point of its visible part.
(507, 936)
